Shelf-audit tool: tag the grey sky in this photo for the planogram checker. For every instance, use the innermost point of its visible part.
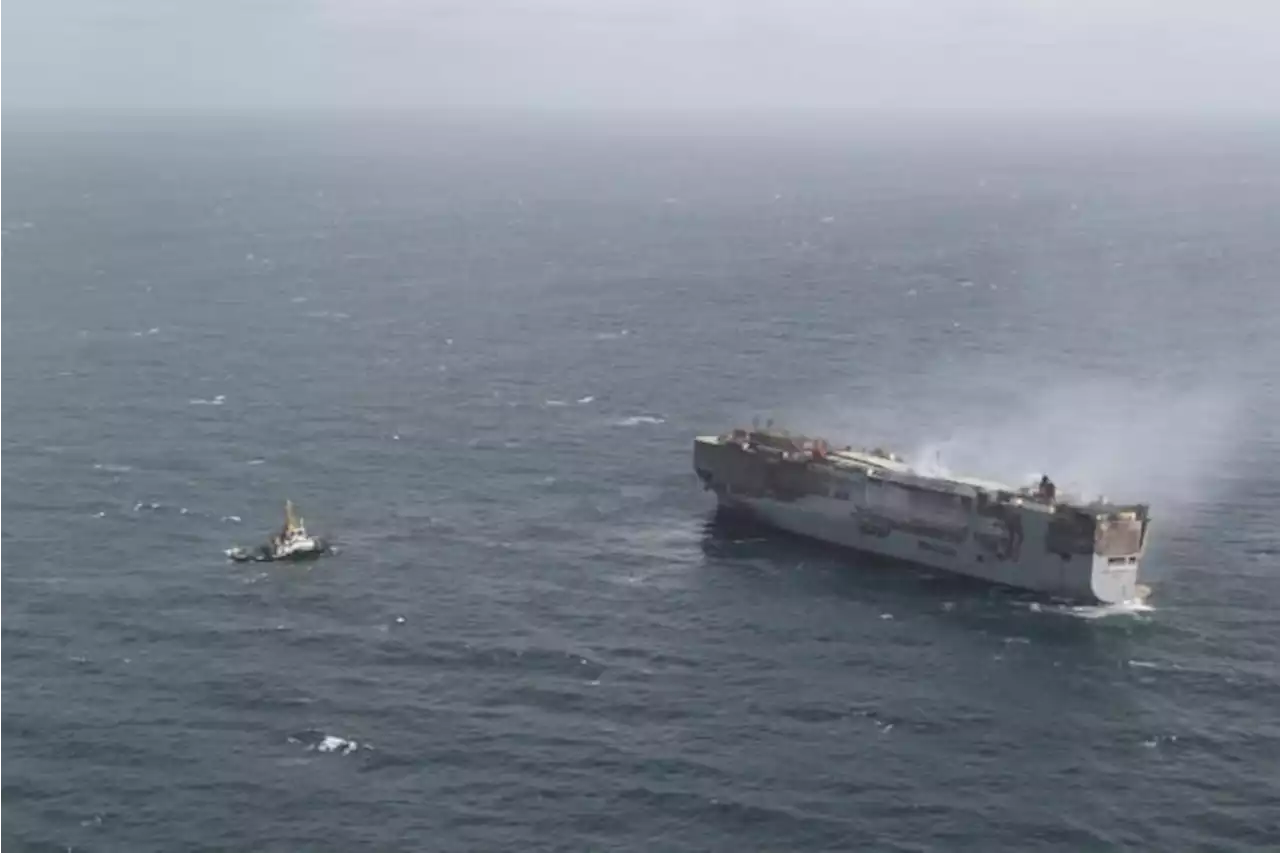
(1107, 55)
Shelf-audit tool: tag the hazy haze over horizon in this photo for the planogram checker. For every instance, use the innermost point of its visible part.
(996, 55)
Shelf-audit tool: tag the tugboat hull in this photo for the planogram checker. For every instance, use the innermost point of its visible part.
(266, 554)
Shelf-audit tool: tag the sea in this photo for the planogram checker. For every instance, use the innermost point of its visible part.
(475, 350)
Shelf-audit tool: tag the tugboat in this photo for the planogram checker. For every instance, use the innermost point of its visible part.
(291, 543)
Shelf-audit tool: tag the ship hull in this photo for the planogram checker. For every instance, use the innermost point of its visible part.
(269, 554)
(1018, 550)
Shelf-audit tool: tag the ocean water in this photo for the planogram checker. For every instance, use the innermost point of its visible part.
(475, 354)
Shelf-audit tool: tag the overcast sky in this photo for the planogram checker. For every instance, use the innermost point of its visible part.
(1060, 55)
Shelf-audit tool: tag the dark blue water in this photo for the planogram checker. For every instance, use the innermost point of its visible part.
(476, 355)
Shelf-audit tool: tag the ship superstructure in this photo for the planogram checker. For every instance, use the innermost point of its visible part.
(871, 500)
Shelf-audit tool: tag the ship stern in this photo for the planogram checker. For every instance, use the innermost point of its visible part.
(1101, 547)
(1114, 580)
(1120, 542)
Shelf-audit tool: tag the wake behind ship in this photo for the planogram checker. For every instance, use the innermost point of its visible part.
(871, 501)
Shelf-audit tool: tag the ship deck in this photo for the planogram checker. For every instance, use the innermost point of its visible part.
(864, 462)
(861, 460)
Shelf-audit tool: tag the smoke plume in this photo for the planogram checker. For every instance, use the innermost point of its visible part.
(1167, 445)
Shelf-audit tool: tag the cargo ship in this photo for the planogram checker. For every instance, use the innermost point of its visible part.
(1030, 538)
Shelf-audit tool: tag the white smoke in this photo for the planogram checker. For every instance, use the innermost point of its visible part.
(1169, 445)
(1125, 442)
